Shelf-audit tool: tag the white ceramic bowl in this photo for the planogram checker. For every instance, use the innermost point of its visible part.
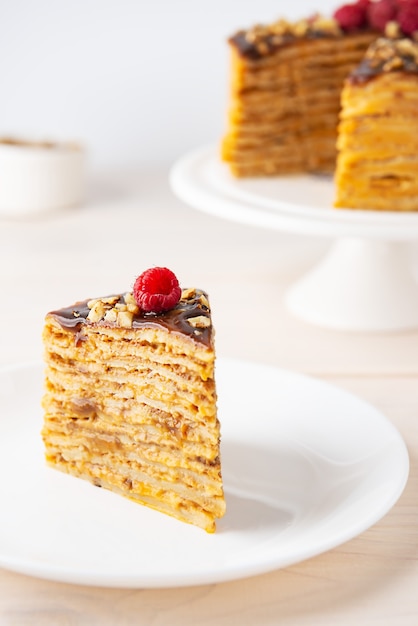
(39, 176)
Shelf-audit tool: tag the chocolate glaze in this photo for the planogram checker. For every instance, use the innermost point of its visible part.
(273, 42)
(369, 69)
(249, 49)
(74, 317)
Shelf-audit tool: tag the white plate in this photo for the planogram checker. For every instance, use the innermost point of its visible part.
(306, 467)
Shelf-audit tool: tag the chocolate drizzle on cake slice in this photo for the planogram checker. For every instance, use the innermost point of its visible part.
(130, 402)
(109, 311)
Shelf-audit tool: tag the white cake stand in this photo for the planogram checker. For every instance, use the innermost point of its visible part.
(366, 281)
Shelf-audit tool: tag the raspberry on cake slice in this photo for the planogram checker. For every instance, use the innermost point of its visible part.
(130, 399)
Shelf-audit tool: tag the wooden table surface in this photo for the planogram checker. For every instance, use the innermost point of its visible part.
(131, 221)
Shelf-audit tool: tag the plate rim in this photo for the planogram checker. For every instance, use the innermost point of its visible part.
(212, 575)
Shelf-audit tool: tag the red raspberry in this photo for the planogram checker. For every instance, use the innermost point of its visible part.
(351, 16)
(380, 13)
(408, 18)
(157, 290)
(403, 3)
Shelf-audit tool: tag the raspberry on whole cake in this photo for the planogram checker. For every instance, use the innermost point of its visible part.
(130, 399)
(287, 80)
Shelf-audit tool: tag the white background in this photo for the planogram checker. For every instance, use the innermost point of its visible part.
(138, 82)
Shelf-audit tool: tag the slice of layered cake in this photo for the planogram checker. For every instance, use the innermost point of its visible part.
(130, 401)
(377, 165)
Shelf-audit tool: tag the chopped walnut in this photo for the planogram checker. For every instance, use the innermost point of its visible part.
(281, 27)
(300, 28)
(393, 30)
(130, 304)
(200, 321)
(383, 49)
(132, 308)
(110, 300)
(97, 311)
(188, 294)
(257, 33)
(204, 301)
(125, 319)
(111, 315)
(326, 25)
(129, 298)
(112, 310)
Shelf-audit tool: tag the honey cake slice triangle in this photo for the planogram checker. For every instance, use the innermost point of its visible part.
(130, 402)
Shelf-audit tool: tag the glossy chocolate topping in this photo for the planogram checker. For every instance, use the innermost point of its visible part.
(386, 56)
(176, 320)
(264, 40)
(254, 49)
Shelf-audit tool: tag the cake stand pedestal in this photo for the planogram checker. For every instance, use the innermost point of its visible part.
(365, 282)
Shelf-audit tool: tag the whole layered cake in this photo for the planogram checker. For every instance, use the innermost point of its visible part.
(287, 81)
(130, 399)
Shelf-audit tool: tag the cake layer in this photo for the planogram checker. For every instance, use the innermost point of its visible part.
(165, 501)
(152, 388)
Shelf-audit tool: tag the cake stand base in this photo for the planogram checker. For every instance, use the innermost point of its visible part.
(361, 285)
